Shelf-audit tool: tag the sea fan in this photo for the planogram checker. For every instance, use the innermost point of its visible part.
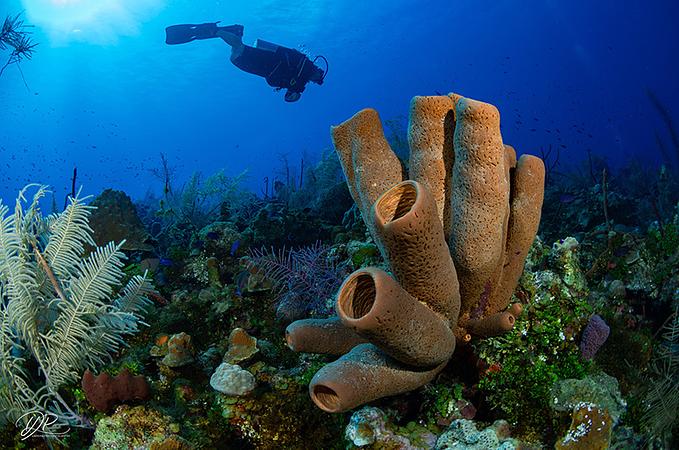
(303, 279)
(56, 307)
(662, 398)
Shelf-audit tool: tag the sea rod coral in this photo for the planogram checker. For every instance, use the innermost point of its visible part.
(455, 236)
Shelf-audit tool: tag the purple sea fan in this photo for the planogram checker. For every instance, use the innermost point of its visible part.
(303, 279)
(593, 337)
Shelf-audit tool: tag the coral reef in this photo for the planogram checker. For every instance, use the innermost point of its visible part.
(242, 347)
(370, 426)
(463, 434)
(598, 389)
(180, 351)
(471, 214)
(430, 307)
(520, 367)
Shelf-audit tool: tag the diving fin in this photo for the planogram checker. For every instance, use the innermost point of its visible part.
(181, 34)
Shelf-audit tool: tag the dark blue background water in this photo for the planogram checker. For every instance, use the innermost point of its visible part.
(106, 94)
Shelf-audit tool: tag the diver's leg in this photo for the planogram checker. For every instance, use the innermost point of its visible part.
(234, 40)
(264, 45)
(233, 33)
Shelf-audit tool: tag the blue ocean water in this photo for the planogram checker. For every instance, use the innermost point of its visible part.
(106, 94)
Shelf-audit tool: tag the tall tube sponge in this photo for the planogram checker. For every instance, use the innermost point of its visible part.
(431, 127)
(496, 205)
(368, 162)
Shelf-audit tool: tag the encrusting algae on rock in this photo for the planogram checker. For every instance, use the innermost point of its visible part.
(590, 429)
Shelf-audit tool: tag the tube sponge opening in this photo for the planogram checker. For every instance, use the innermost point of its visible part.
(357, 297)
(326, 398)
(397, 202)
(374, 305)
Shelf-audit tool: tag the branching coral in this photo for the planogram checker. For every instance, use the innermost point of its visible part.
(455, 237)
(57, 315)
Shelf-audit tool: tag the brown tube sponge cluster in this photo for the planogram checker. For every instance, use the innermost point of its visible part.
(455, 236)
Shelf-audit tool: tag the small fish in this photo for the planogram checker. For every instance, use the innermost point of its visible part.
(234, 247)
(241, 281)
(620, 251)
(566, 198)
(212, 235)
(167, 262)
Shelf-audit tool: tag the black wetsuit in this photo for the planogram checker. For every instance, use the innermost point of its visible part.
(284, 68)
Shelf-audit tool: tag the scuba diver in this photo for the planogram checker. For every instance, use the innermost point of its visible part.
(283, 68)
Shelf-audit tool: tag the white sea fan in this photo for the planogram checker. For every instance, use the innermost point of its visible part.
(58, 307)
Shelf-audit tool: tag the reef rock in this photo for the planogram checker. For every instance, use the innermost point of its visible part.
(590, 429)
(369, 425)
(115, 219)
(242, 347)
(133, 428)
(179, 351)
(599, 389)
(463, 434)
